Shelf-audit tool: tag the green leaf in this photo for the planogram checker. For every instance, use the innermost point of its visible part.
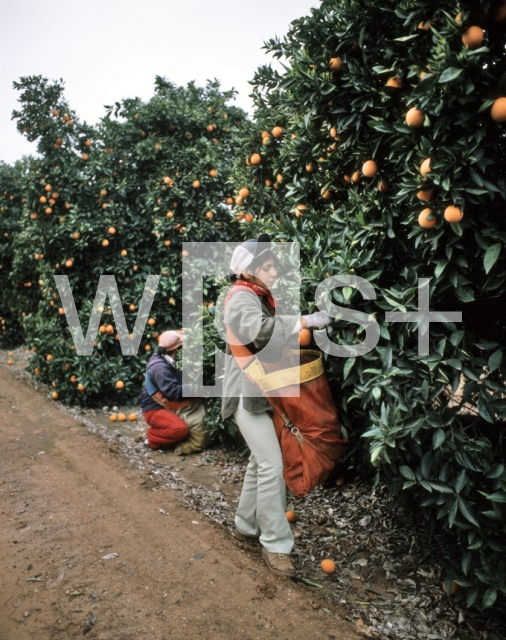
(450, 74)
(467, 512)
(489, 597)
(348, 366)
(376, 392)
(494, 362)
(491, 255)
(461, 481)
(499, 496)
(407, 472)
(438, 438)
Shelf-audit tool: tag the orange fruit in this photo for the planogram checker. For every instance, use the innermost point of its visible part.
(132, 307)
(291, 516)
(213, 173)
(49, 357)
(498, 111)
(104, 205)
(147, 347)
(109, 329)
(355, 177)
(244, 192)
(305, 337)
(265, 134)
(394, 82)
(124, 252)
(425, 25)
(84, 156)
(169, 214)
(249, 217)
(335, 64)
(279, 177)
(311, 167)
(369, 169)
(54, 395)
(425, 195)
(328, 565)
(113, 417)
(255, 159)
(42, 199)
(48, 187)
(453, 213)
(383, 186)
(277, 132)
(210, 128)
(327, 195)
(209, 215)
(120, 384)
(9, 362)
(80, 387)
(151, 322)
(88, 143)
(132, 416)
(300, 209)
(105, 243)
(103, 193)
(54, 112)
(453, 589)
(48, 210)
(229, 201)
(111, 231)
(122, 417)
(75, 235)
(424, 222)
(415, 118)
(196, 184)
(69, 263)
(473, 37)
(458, 17)
(425, 167)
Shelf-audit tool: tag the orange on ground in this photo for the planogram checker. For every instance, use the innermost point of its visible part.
(425, 195)
(328, 565)
(415, 118)
(305, 337)
(54, 395)
(277, 132)
(132, 416)
(255, 159)
(498, 111)
(122, 417)
(369, 169)
(196, 184)
(453, 589)
(395, 82)
(335, 64)
(453, 213)
(120, 384)
(113, 417)
(473, 37)
(244, 192)
(291, 516)
(425, 167)
(9, 362)
(424, 222)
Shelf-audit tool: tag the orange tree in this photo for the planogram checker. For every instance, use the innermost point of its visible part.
(381, 149)
(116, 198)
(11, 200)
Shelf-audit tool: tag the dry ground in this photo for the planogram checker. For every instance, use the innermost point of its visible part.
(66, 501)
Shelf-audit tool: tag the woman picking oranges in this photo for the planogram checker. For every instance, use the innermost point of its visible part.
(251, 318)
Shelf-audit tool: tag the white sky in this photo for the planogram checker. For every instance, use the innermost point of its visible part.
(106, 50)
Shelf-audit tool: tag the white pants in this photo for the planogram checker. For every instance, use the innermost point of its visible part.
(262, 504)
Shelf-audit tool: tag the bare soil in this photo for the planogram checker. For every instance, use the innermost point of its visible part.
(67, 501)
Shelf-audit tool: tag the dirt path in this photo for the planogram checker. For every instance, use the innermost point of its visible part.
(66, 501)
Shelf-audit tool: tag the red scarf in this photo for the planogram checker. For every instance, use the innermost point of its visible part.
(256, 289)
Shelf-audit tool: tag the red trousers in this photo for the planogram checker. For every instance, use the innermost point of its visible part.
(166, 428)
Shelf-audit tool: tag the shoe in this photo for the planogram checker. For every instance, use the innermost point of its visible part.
(279, 564)
(245, 538)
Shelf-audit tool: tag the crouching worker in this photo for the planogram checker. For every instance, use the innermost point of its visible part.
(171, 417)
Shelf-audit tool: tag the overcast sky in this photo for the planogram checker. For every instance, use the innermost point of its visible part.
(106, 50)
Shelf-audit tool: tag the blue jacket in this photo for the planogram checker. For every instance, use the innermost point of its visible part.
(162, 376)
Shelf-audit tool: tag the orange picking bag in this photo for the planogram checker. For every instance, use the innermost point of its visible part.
(307, 426)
